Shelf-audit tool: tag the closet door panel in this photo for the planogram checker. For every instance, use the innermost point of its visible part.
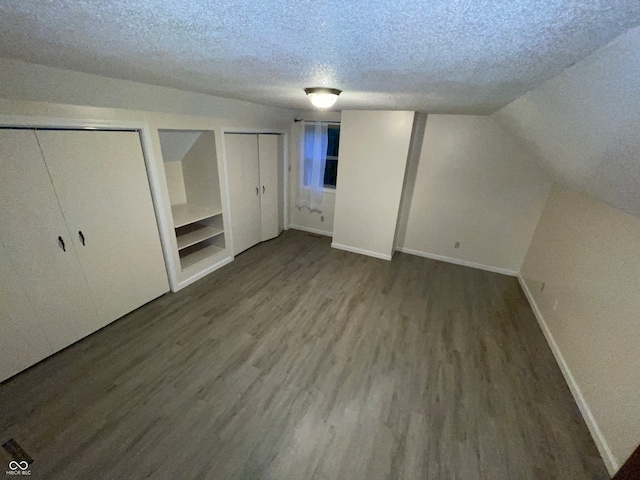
(244, 189)
(102, 184)
(268, 156)
(32, 234)
(22, 341)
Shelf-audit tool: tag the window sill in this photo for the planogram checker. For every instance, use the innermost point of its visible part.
(329, 190)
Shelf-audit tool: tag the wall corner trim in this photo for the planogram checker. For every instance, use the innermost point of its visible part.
(464, 263)
(361, 251)
(609, 459)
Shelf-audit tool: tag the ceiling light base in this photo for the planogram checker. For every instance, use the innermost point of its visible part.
(321, 97)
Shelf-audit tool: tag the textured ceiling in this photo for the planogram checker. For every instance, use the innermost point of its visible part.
(441, 56)
(585, 123)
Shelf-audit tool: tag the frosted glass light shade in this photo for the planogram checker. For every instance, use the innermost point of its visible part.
(322, 97)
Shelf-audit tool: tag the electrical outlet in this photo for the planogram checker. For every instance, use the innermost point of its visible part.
(457, 245)
(322, 218)
(542, 286)
(555, 305)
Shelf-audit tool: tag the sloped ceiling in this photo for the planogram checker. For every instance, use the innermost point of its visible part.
(585, 123)
(440, 56)
(176, 144)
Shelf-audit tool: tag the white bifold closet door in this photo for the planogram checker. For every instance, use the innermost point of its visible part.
(252, 165)
(46, 294)
(268, 160)
(22, 340)
(103, 189)
(79, 243)
(244, 190)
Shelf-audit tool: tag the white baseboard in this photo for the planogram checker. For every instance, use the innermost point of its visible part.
(360, 251)
(433, 256)
(311, 230)
(609, 459)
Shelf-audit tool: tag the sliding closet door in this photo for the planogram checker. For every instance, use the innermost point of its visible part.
(268, 159)
(103, 189)
(44, 264)
(244, 189)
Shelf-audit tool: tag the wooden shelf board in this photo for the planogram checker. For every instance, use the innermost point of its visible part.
(184, 214)
(199, 256)
(197, 236)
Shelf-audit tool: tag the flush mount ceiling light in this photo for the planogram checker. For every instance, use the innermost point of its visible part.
(321, 97)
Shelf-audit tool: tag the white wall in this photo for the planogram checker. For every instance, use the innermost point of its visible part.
(476, 185)
(301, 217)
(175, 146)
(585, 123)
(175, 182)
(314, 221)
(372, 159)
(587, 255)
(28, 81)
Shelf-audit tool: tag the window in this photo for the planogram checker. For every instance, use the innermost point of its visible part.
(331, 167)
(331, 164)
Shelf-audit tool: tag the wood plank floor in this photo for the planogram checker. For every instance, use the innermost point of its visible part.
(298, 361)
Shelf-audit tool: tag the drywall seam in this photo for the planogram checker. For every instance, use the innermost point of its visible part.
(311, 230)
(607, 455)
(442, 258)
(361, 251)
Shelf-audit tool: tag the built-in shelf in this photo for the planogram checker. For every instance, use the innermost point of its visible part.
(197, 254)
(192, 173)
(197, 235)
(184, 214)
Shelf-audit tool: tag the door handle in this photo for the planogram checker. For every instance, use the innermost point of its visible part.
(257, 191)
(61, 243)
(263, 189)
(81, 237)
